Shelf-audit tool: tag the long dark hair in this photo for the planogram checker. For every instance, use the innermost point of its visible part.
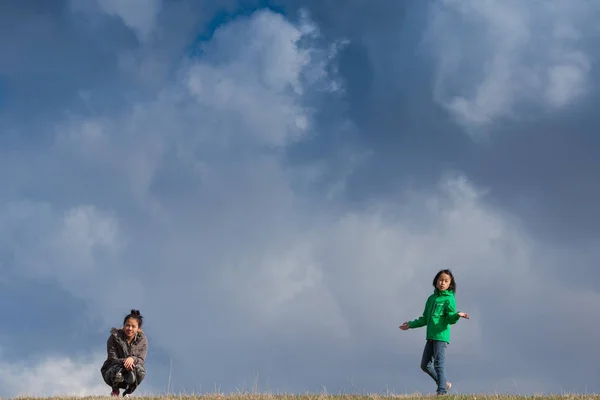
(452, 285)
(135, 314)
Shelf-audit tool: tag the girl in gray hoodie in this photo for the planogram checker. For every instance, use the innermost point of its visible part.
(126, 349)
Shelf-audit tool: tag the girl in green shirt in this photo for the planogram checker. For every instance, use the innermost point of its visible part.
(439, 313)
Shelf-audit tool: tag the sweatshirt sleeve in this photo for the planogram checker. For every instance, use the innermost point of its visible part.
(111, 350)
(421, 321)
(140, 355)
(451, 312)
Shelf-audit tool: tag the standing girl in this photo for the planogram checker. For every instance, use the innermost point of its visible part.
(439, 313)
(126, 349)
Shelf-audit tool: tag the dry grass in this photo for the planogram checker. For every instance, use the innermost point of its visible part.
(337, 397)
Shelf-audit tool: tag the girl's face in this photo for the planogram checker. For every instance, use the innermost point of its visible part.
(443, 281)
(131, 327)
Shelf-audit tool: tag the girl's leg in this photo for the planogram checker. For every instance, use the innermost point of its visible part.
(138, 376)
(114, 378)
(427, 361)
(129, 377)
(439, 358)
(113, 375)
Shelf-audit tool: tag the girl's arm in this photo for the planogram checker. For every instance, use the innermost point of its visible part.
(451, 313)
(140, 356)
(111, 350)
(421, 321)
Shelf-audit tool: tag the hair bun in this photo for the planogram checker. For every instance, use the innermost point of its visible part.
(135, 312)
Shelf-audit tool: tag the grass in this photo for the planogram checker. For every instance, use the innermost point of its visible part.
(254, 396)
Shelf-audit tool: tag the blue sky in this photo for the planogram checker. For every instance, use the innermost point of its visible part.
(275, 184)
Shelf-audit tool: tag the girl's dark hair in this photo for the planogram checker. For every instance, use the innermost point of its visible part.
(135, 314)
(452, 281)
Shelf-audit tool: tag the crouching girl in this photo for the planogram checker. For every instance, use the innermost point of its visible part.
(126, 349)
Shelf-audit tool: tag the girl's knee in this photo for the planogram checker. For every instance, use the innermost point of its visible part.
(140, 372)
(130, 377)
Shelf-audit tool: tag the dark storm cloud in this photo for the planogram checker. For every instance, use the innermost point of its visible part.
(539, 166)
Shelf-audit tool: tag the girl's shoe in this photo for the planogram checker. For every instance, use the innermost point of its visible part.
(448, 386)
(127, 392)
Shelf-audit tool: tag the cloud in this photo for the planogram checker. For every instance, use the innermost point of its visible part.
(257, 59)
(138, 15)
(195, 201)
(79, 248)
(494, 59)
(53, 377)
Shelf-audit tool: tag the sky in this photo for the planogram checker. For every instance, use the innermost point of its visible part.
(274, 185)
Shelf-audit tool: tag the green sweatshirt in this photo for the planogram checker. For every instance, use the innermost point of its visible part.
(439, 313)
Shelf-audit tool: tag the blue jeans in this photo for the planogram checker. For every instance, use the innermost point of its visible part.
(432, 363)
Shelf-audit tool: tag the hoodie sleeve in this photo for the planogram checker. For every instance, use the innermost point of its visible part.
(421, 321)
(451, 312)
(140, 354)
(111, 350)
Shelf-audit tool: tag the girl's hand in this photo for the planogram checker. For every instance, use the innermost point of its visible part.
(404, 326)
(128, 363)
(463, 315)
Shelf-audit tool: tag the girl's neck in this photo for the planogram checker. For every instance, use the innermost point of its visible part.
(128, 339)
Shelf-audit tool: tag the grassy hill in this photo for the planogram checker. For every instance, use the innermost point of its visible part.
(340, 397)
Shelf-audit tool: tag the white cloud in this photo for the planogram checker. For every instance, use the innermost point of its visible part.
(256, 71)
(83, 231)
(139, 15)
(80, 248)
(79, 236)
(58, 376)
(53, 377)
(568, 79)
(493, 57)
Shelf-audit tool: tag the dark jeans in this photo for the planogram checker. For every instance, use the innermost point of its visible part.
(432, 363)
